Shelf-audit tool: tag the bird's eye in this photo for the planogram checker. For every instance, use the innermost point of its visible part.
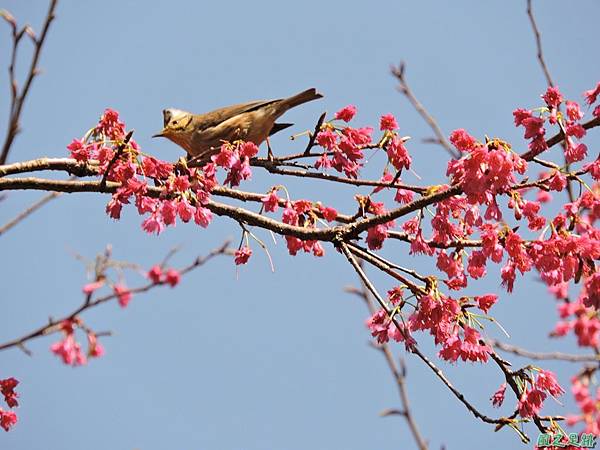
(174, 122)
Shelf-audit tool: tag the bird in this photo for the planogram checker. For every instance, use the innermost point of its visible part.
(201, 135)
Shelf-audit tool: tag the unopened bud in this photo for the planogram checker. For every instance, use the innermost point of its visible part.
(8, 17)
(30, 32)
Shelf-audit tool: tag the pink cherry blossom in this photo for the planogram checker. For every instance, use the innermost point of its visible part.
(329, 213)
(546, 381)
(498, 397)
(7, 388)
(8, 419)
(388, 122)
(327, 139)
(346, 113)
(242, 255)
(573, 111)
(531, 402)
(91, 287)
(271, 201)
(153, 223)
(248, 150)
(592, 94)
(155, 274)
(123, 294)
(552, 97)
(202, 216)
(95, 349)
(172, 277)
(485, 302)
(463, 141)
(185, 210)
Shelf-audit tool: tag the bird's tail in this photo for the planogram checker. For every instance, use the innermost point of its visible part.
(306, 96)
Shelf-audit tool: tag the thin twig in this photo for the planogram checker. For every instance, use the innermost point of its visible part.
(274, 168)
(24, 214)
(390, 264)
(313, 135)
(398, 72)
(538, 43)
(558, 356)
(398, 373)
(18, 98)
(114, 159)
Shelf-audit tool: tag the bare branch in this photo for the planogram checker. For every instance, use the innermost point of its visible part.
(273, 167)
(313, 135)
(399, 375)
(398, 72)
(538, 43)
(558, 356)
(18, 98)
(24, 214)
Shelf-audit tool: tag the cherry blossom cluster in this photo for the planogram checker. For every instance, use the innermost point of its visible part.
(587, 398)
(7, 388)
(445, 318)
(185, 191)
(563, 254)
(118, 158)
(300, 213)
(69, 350)
(534, 386)
(533, 124)
(344, 145)
(234, 158)
(576, 317)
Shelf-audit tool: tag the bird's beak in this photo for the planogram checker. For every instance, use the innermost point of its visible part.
(161, 134)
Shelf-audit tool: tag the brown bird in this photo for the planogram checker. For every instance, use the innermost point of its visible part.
(201, 135)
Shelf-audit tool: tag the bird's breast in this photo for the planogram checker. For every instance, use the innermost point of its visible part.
(182, 139)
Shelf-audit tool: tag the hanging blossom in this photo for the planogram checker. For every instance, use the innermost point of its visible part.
(8, 419)
(587, 399)
(344, 146)
(535, 385)
(70, 351)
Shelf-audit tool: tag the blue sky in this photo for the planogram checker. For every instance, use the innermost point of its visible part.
(256, 360)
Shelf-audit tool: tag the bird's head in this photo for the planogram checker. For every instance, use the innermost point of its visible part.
(175, 123)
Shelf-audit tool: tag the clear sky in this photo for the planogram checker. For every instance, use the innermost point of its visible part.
(259, 361)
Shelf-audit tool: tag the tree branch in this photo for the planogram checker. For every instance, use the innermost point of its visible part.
(18, 99)
(399, 374)
(273, 167)
(53, 325)
(24, 214)
(558, 356)
(398, 72)
(538, 43)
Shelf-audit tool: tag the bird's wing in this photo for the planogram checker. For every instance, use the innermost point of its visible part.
(218, 116)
